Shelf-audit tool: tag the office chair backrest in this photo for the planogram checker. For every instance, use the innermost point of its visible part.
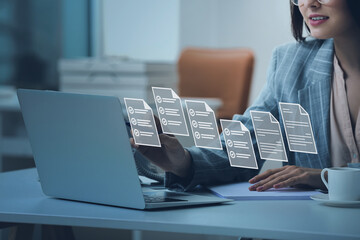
(217, 73)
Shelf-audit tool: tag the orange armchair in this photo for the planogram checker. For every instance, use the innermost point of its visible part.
(217, 73)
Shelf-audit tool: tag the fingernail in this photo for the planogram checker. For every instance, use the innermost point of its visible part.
(259, 189)
(251, 180)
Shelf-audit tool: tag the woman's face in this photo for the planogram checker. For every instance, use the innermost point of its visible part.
(331, 20)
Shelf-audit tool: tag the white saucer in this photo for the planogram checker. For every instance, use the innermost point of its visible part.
(324, 198)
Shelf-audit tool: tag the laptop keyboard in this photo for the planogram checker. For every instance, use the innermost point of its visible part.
(159, 197)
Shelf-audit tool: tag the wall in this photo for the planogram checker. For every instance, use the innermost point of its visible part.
(258, 24)
(199, 23)
(146, 30)
(160, 29)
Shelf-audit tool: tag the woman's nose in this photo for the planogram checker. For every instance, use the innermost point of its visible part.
(311, 3)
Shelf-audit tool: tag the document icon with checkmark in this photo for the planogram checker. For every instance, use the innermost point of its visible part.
(170, 111)
(239, 145)
(203, 125)
(142, 122)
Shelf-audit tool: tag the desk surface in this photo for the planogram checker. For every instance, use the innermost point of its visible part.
(21, 200)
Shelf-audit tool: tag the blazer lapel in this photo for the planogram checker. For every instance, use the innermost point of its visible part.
(315, 99)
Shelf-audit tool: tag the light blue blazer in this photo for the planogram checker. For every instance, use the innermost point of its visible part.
(298, 73)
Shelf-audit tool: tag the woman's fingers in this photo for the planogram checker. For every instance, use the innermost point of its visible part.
(267, 182)
(283, 177)
(170, 156)
(265, 175)
(158, 124)
(285, 180)
(133, 144)
(296, 180)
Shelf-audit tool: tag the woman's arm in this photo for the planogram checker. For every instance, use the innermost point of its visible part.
(212, 166)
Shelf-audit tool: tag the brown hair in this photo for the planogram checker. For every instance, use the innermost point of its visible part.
(297, 21)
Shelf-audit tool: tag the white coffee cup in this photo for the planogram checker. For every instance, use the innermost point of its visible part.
(343, 183)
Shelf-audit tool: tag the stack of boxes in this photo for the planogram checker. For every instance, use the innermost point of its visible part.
(116, 77)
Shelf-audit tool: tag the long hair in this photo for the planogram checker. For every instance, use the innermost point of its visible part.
(297, 21)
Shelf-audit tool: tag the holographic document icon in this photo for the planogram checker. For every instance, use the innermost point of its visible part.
(238, 144)
(268, 136)
(142, 122)
(298, 128)
(171, 113)
(203, 125)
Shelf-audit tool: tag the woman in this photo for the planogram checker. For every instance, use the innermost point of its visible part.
(322, 74)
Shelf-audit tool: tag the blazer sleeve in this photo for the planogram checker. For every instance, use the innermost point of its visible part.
(210, 166)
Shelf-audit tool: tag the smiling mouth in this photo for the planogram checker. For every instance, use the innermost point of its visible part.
(318, 18)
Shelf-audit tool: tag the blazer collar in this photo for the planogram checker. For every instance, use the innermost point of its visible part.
(315, 98)
(322, 66)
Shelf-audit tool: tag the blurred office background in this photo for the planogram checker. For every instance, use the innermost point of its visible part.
(36, 34)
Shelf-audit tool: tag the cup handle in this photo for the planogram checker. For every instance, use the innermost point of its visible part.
(323, 177)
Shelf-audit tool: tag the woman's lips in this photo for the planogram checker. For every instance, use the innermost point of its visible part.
(316, 20)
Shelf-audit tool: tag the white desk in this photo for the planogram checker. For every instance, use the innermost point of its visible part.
(22, 201)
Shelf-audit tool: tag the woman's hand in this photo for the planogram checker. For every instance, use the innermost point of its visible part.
(171, 157)
(287, 176)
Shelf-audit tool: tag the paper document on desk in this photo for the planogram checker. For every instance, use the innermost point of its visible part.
(240, 191)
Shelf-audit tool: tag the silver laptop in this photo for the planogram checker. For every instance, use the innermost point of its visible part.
(82, 152)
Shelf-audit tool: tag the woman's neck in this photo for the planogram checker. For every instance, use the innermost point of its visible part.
(347, 50)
